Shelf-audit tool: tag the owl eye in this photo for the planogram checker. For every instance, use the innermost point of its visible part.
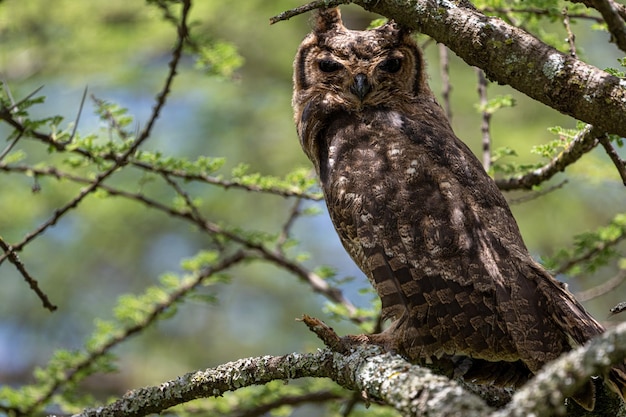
(391, 65)
(328, 65)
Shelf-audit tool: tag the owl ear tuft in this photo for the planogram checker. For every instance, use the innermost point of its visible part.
(393, 29)
(327, 19)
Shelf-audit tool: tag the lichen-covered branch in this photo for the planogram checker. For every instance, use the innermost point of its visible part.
(388, 378)
(381, 377)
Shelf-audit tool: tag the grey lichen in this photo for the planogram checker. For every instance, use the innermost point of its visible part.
(412, 390)
(553, 66)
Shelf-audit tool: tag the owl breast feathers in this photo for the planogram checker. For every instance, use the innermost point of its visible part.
(419, 215)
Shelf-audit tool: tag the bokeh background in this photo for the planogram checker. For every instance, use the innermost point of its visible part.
(109, 247)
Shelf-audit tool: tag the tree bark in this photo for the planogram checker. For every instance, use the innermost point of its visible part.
(410, 389)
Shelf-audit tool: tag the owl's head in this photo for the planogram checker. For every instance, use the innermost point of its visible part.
(351, 70)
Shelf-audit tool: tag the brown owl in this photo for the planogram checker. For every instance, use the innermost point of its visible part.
(423, 220)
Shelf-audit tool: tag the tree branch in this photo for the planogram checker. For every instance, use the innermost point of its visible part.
(410, 389)
(32, 282)
(614, 21)
(619, 163)
(620, 8)
(580, 145)
(383, 377)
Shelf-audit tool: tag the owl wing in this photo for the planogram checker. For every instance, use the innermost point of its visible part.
(427, 225)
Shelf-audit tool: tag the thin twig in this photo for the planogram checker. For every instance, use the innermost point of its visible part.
(620, 164)
(288, 14)
(571, 38)
(185, 196)
(446, 87)
(49, 140)
(602, 246)
(580, 145)
(532, 196)
(286, 229)
(111, 119)
(32, 282)
(486, 118)
(355, 399)
(604, 288)
(193, 210)
(318, 284)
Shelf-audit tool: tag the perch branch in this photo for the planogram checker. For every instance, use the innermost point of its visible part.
(410, 389)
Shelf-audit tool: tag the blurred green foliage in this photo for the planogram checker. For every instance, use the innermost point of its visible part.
(224, 149)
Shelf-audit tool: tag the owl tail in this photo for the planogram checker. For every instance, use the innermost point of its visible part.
(586, 396)
(616, 380)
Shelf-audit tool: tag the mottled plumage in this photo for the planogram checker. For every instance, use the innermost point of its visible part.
(420, 216)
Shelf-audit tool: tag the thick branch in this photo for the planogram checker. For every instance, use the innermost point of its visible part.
(620, 8)
(614, 21)
(508, 55)
(412, 390)
(387, 378)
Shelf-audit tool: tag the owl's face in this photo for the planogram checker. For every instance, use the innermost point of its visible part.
(340, 72)
(351, 70)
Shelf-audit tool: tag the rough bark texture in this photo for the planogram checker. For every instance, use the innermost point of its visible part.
(509, 55)
(412, 390)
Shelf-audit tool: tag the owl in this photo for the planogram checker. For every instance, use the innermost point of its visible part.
(416, 211)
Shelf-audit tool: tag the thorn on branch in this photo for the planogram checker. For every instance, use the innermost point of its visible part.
(80, 111)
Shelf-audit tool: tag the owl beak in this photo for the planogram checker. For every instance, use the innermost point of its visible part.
(360, 87)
